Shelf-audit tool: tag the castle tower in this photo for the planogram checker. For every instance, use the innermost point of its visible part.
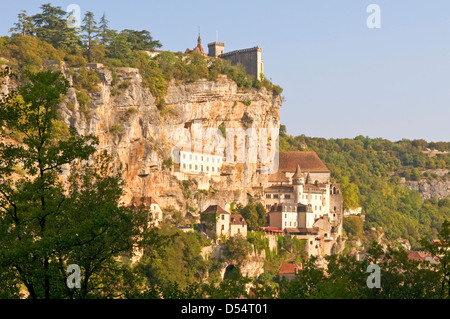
(215, 49)
(298, 181)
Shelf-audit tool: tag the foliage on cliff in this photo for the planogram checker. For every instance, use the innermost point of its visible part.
(46, 36)
(369, 171)
(344, 277)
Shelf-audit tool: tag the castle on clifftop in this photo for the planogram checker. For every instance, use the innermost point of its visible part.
(250, 58)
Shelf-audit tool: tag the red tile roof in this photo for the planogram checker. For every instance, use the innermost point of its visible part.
(308, 161)
(278, 177)
(417, 255)
(287, 269)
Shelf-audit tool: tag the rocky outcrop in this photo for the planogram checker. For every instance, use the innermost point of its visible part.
(140, 136)
(435, 188)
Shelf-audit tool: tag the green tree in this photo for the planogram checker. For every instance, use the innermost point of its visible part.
(140, 40)
(90, 30)
(237, 249)
(172, 256)
(440, 249)
(24, 25)
(104, 31)
(254, 215)
(353, 226)
(45, 226)
(51, 26)
(415, 175)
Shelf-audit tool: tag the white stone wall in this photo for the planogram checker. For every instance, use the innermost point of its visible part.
(157, 214)
(238, 229)
(198, 163)
(223, 225)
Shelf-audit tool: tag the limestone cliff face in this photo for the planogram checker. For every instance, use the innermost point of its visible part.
(140, 137)
(436, 188)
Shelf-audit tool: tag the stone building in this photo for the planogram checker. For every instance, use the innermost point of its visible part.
(156, 214)
(198, 48)
(238, 225)
(250, 58)
(200, 163)
(217, 222)
(302, 201)
(289, 271)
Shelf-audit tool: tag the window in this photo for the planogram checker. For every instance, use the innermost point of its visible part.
(290, 223)
(285, 215)
(295, 224)
(239, 230)
(268, 206)
(223, 217)
(184, 165)
(184, 156)
(201, 168)
(190, 157)
(287, 196)
(196, 167)
(223, 227)
(212, 168)
(207, 168)
(275, 195)
(190, 166)
(268, 196)
(212, 159)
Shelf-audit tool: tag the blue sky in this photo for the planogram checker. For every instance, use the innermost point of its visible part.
(340, 78)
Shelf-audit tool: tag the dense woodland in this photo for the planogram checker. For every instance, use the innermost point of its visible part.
(45, 227)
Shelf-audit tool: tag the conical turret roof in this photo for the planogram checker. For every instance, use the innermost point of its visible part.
(298, 173)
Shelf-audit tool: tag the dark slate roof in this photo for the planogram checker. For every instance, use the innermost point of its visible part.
(215, 209)
(237, 219)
